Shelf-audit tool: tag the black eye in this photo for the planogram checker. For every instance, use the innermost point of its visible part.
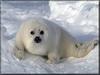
(32, 32)
(42, 32)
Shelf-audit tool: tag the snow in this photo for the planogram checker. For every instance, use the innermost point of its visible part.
(80, 18)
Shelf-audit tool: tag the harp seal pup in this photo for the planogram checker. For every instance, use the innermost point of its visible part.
(42, 37)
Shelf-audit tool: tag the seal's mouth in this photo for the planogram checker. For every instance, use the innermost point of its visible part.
(37, 39)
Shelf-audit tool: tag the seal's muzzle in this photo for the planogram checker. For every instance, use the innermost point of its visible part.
(37, 39)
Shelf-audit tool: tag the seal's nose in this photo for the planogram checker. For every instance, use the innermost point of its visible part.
(37, 39)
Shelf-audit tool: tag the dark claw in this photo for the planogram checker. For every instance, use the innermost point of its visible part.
(95, 44)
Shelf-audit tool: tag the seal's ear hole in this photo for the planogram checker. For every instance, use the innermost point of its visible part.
(76, 45)
(41, 32)
(32, 32)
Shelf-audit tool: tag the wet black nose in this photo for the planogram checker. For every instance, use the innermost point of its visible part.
(37, 39)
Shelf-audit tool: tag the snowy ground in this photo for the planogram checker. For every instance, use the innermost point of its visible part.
(80, 18)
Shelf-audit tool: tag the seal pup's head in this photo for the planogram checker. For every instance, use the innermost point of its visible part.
(35, 34)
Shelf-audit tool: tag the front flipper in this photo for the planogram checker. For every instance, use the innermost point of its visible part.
(53, 58)
(18, 53)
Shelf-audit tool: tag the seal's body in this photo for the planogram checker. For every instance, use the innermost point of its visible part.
(43, 37)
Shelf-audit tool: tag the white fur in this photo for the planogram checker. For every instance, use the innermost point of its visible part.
(56, 42)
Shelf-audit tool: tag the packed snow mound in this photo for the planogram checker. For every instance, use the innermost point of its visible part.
(80, 18)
